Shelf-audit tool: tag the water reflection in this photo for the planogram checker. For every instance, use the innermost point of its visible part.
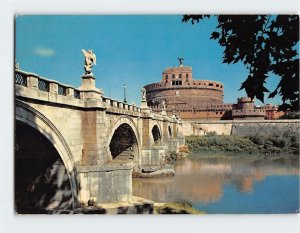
(203, 179)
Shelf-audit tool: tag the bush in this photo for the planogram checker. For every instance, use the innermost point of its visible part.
(294, 139)
(258, 139)
(255, 144)
(212, 133)
(279, 142)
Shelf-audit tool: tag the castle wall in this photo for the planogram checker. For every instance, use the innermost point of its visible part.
(241, 128)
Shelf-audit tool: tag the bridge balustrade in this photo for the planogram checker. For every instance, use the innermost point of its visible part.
(23, 79)
(31, 80)
(20, 79)
(43, 85)
(62, 90)
(76, 94)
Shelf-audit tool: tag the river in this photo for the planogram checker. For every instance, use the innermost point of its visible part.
(218, 183)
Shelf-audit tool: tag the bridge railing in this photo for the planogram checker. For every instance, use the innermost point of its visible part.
(20, 79)
(35, 81)
(115, 104)
(43, 84)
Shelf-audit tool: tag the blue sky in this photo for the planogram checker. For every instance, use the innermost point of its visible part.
(131, 50)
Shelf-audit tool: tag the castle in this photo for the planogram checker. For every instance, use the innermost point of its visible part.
(178, 93)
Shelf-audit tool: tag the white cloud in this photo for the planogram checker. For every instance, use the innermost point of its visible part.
(44, 52)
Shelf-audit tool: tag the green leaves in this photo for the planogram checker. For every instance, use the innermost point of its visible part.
(193, 18)
(215, 35)
(264, 43)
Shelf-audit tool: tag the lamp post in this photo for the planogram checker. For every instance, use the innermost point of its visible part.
(125, 101)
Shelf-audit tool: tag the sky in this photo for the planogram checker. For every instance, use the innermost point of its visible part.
(130, 49)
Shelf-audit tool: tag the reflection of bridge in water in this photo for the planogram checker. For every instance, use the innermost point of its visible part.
(77, 146)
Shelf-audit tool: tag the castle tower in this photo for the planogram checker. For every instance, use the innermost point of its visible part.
(180, 92)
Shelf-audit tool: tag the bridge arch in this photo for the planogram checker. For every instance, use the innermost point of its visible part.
(123, 142)
(156, 134)
(42, 128)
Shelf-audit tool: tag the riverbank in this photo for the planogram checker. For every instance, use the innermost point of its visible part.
(258, 144)
(175, 208)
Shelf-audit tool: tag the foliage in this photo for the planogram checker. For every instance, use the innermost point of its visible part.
(265, 44)
(274, 144)
(291, 115)
(213, 133)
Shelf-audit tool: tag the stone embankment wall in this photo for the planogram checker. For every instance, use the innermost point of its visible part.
(268, 129)
(241, 128)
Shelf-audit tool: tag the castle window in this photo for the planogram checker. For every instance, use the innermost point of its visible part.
(187, 76)
(176, 83)
(179, 75)
(217, 85)
(210, 84)
(173, 76)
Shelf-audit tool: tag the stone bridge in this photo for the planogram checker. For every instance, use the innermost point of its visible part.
(75, 147)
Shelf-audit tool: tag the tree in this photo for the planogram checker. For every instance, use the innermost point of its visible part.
(265, 44)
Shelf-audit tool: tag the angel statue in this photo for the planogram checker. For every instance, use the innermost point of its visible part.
(180, 61)
(90, 58)
(143, 90)
(163, 103)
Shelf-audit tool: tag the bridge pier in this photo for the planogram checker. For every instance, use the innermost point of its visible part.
(105, 184)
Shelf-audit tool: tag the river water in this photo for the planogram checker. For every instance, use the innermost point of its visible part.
(218, 183)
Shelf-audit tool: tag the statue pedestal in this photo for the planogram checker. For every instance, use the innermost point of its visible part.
(163, 112)
(144, 104)
(89, 89)
(144, 107)
(88, 82)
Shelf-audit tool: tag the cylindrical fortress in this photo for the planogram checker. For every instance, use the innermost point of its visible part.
(188, 97)
(177, 87)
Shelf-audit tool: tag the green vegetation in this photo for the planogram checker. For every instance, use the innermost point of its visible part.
(258, 144)
(291, 115)
(176, 208)
(266, 45)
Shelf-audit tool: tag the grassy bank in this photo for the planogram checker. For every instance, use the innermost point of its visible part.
(275, 144)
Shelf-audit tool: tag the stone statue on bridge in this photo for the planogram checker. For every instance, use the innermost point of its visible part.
(163, 104)
(143, 90)
(90, 59)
